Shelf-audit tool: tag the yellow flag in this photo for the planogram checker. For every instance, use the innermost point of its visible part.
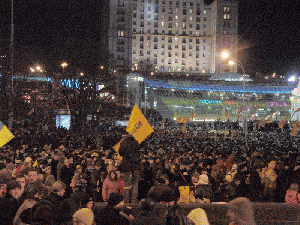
(138, 126)
(175, 115)
(34, 164)
(116, 148)
(98, 110)
(5, 134)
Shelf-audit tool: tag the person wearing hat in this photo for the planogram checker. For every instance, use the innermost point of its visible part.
(241, 212)
(10, 203)
(83, 216)
(198, 217)
(203, 189)
(113, 213)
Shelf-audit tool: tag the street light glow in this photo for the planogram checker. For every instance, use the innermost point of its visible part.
(224, 55)
(292, 78)
(231, 63)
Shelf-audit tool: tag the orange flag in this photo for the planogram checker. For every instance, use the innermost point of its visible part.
(261, 122)
(296, 128)
(183, 130)
(270, 118)
(282, 122)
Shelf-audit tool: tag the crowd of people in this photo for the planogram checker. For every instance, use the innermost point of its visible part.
(52, 175)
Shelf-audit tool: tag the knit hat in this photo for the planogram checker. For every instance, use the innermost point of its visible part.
(27, 160)
(243, 210)
(12, 185)
(203, 179)
(115, 199)
(85, 215)
(198, 216)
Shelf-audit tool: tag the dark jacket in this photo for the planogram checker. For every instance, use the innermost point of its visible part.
(147, 218)
(56, 201)
(108, 216)
(8, 208)
(129, 150)
(203, 191)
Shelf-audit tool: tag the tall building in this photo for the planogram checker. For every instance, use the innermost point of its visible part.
(184, 36)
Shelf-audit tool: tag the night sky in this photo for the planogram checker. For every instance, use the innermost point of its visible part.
(50, 31)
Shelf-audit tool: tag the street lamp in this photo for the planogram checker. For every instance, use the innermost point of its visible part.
(231, 62)
(225, 55)
(64, 65)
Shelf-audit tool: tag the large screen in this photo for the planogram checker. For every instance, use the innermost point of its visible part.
(63, 121)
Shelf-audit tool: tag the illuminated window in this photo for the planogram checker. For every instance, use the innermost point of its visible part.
(226, 16)
(120, 33)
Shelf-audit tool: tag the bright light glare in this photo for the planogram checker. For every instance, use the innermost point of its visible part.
(225, 55)
(231, 63)
(64, 65)
(292, 79)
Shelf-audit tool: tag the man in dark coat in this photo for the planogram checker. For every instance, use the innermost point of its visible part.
(56, 197)
(66, 176)
(130, 166)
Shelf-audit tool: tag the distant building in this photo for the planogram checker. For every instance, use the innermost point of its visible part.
(173, 36)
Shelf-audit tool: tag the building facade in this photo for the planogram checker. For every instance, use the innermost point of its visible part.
(174, 36)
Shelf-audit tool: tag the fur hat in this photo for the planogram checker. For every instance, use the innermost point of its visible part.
(198, 216)
(243, 210)
(85, 215)
(12, 185)
(115, 199)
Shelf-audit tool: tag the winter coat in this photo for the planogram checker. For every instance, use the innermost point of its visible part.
(109, 215)
(203, 191)
(109, 187)
(292, 197)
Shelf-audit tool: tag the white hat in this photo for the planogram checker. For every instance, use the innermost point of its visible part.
(85, 215)
(198, 216)
(27, 160)
(203, 179)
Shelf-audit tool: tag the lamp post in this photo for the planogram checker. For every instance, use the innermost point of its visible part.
(243, 97)
(64, 65)
(225, 55)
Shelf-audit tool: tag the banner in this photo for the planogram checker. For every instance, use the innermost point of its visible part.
(5, 134)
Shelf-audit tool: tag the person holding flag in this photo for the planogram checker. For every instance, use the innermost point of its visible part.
(130, 166)
(138, 129)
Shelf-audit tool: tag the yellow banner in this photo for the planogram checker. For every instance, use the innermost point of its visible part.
(5, 134)
(138, 125)
(184, 194)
